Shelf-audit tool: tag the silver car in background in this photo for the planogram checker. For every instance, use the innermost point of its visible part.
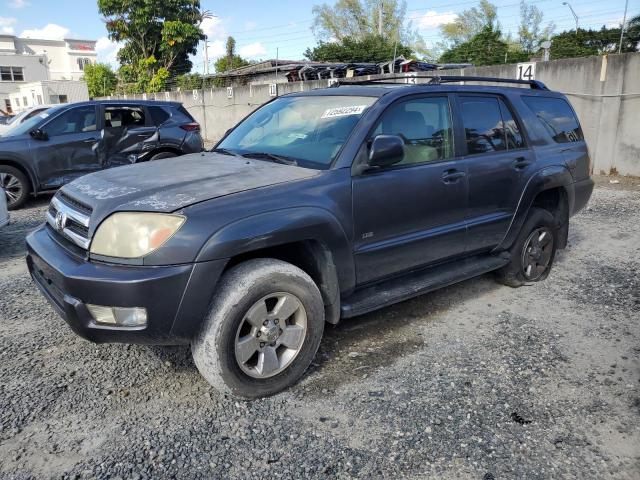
(22, 117)
(4, 213)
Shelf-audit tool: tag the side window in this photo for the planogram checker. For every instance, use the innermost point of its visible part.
(158, 114)
(181, 115)
(512, 133)
(483, 126)
(424, 124)
(123, 117)
(75, 120)
(557, 117)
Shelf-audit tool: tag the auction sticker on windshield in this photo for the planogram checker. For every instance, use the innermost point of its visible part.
(343, 111)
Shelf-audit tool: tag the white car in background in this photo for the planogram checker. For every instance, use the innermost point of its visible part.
(4, 213)
(22, 116)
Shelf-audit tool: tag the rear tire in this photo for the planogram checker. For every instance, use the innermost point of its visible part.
(161, 155)
(16, 186)
(263, 329)
(533, 252)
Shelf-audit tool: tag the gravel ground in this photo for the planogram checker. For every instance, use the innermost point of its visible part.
(474, 381)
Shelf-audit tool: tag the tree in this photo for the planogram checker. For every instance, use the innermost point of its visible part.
(359, 20)
(371, 48)
(531, 33)
(470, 23)
(484, 48)
(100, 78)
(583, 43)
(632, 35)
(158, 36)
(192, 81)
(231, 60)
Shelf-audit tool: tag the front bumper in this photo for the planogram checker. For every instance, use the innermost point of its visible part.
(176, 297)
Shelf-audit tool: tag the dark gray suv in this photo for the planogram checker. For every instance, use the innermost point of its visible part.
(319, 206)
(64, 142)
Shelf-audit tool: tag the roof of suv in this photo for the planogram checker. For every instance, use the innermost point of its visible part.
(374, 89)
(122, 102)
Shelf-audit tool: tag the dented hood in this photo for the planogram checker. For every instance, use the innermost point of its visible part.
(171, 184)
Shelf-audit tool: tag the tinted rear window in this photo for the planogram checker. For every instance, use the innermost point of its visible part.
(557, 118)
(181, 115)
(483, 125)
(159, 115)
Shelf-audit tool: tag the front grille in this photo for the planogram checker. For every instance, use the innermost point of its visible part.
(70, 218)
(77, 204)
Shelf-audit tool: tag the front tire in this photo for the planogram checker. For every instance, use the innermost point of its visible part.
(533, 252)
(263, 329)
(15, 185)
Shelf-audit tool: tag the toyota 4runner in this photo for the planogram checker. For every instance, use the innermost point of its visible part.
(320, 205)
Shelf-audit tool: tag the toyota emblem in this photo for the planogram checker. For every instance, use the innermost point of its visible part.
(61, 221)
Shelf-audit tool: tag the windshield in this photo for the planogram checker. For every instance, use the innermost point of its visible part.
(31, 123)
(308, 131)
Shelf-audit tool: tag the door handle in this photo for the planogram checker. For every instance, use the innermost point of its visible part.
(452, 175)
(90, 140)
(521, 162)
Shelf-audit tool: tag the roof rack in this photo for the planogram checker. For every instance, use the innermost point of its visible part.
(534, 84)
(437, 80)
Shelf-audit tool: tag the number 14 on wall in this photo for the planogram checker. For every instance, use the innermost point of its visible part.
(526, 71)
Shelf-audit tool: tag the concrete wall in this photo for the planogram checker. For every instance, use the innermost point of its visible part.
(605, 92)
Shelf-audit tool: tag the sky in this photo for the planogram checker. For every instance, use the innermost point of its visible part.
(263, 29)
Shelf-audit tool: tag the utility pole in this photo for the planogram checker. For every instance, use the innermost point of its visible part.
(380, 17)
(573, 13)
(624, 24)
(206, 55)
(395, 54)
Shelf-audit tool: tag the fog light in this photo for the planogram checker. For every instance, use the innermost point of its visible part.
(118, 316)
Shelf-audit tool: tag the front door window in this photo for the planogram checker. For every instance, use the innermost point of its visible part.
(425, 127)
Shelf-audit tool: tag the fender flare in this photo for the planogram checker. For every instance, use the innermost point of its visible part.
(279, 227)
(553, 176)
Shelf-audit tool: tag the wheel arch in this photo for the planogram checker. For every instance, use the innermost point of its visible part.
(24, 169)
(549, 188)
(310, 238)
(164, 149)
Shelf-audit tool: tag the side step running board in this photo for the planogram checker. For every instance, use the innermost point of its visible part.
(417, 283)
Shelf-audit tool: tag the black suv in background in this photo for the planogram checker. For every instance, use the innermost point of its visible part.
(64, 142)
(319, 206)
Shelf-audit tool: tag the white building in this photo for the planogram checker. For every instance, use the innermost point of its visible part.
(29, 65)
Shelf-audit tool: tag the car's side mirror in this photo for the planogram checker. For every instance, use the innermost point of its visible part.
(386, 150)
(39, 134)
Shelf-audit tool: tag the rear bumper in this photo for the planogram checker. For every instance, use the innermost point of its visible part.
(582, 191)
(176, 297)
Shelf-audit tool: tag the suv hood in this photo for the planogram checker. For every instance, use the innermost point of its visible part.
(171, 184)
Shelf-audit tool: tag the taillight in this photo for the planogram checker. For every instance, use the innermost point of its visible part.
(191, 127)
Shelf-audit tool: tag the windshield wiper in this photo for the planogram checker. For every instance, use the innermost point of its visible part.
(270, 156)
(224, 151)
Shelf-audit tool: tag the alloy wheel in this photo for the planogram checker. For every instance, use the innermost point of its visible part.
(536, 254)
(12, 187)
(271, 335)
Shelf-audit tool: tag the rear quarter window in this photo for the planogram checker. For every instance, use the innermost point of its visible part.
(181, 115)
(556, 117)
(159, 115)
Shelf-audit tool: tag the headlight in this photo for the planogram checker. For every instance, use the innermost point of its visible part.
(134, 234)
